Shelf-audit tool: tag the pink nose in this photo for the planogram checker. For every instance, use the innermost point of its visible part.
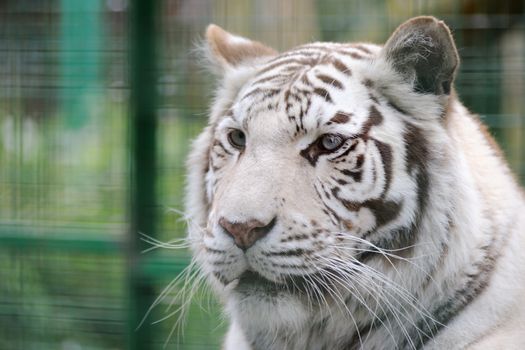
(245, 234)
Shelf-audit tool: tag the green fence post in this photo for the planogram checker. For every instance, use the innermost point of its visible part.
(142, 134)
(80, 45)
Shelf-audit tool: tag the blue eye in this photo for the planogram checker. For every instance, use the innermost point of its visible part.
(237, 138)
(330, 142)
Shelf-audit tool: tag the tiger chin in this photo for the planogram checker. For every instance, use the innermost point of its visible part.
(342, 197)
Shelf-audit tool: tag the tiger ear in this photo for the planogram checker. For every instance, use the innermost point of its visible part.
(423, 52)
(229, 51)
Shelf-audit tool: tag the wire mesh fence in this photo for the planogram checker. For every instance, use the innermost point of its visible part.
(66, 155)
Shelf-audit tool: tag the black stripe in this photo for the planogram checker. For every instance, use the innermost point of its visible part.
(353, 54)
(268, 78)
(221, 146)
(329, 80)
(324, 94)
(340, 66)
(355, 175)
(284, 62)
(291, 252)
(340, 181)
(384, 210)
(341, 117)
(327, 209)
(454, 304)
(346, 152)
(396, 107)
(417, 155)
(374, 118)
(266, 92)
(362, 48)
(386, 156)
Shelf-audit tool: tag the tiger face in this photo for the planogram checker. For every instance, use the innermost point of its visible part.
(316, 162)
(303, 159)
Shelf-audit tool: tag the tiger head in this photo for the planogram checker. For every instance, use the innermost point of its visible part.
(316, 162)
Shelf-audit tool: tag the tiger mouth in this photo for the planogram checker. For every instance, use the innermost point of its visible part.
(309, 285)
(251, 281)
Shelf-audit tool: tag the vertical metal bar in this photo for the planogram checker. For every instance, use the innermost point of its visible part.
(80, 57)
(142, 132)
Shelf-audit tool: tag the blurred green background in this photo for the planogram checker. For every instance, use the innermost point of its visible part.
(99, 100)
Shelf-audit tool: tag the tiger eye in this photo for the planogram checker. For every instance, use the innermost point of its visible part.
(331, 142)
(237, 138)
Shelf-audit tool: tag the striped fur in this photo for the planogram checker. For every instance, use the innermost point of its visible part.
(409, 235)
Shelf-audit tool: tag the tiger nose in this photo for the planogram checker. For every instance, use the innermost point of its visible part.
(245, 234)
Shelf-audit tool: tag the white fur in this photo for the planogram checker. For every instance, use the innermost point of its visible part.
(470, 185)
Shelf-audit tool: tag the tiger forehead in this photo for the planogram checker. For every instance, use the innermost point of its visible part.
(286, 84)
(290, 66)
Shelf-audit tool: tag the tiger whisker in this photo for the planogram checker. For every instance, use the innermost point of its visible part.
(386, 302)
(179, 243)
(398, 288)
(182, 310)
(164, 292)
(407, 298)
(189, 279)
(387, 254)
(347, 236)
(320, 299)
(339, 297)
(345, 282)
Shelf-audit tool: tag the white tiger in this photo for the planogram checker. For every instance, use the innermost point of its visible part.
(343, 198)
